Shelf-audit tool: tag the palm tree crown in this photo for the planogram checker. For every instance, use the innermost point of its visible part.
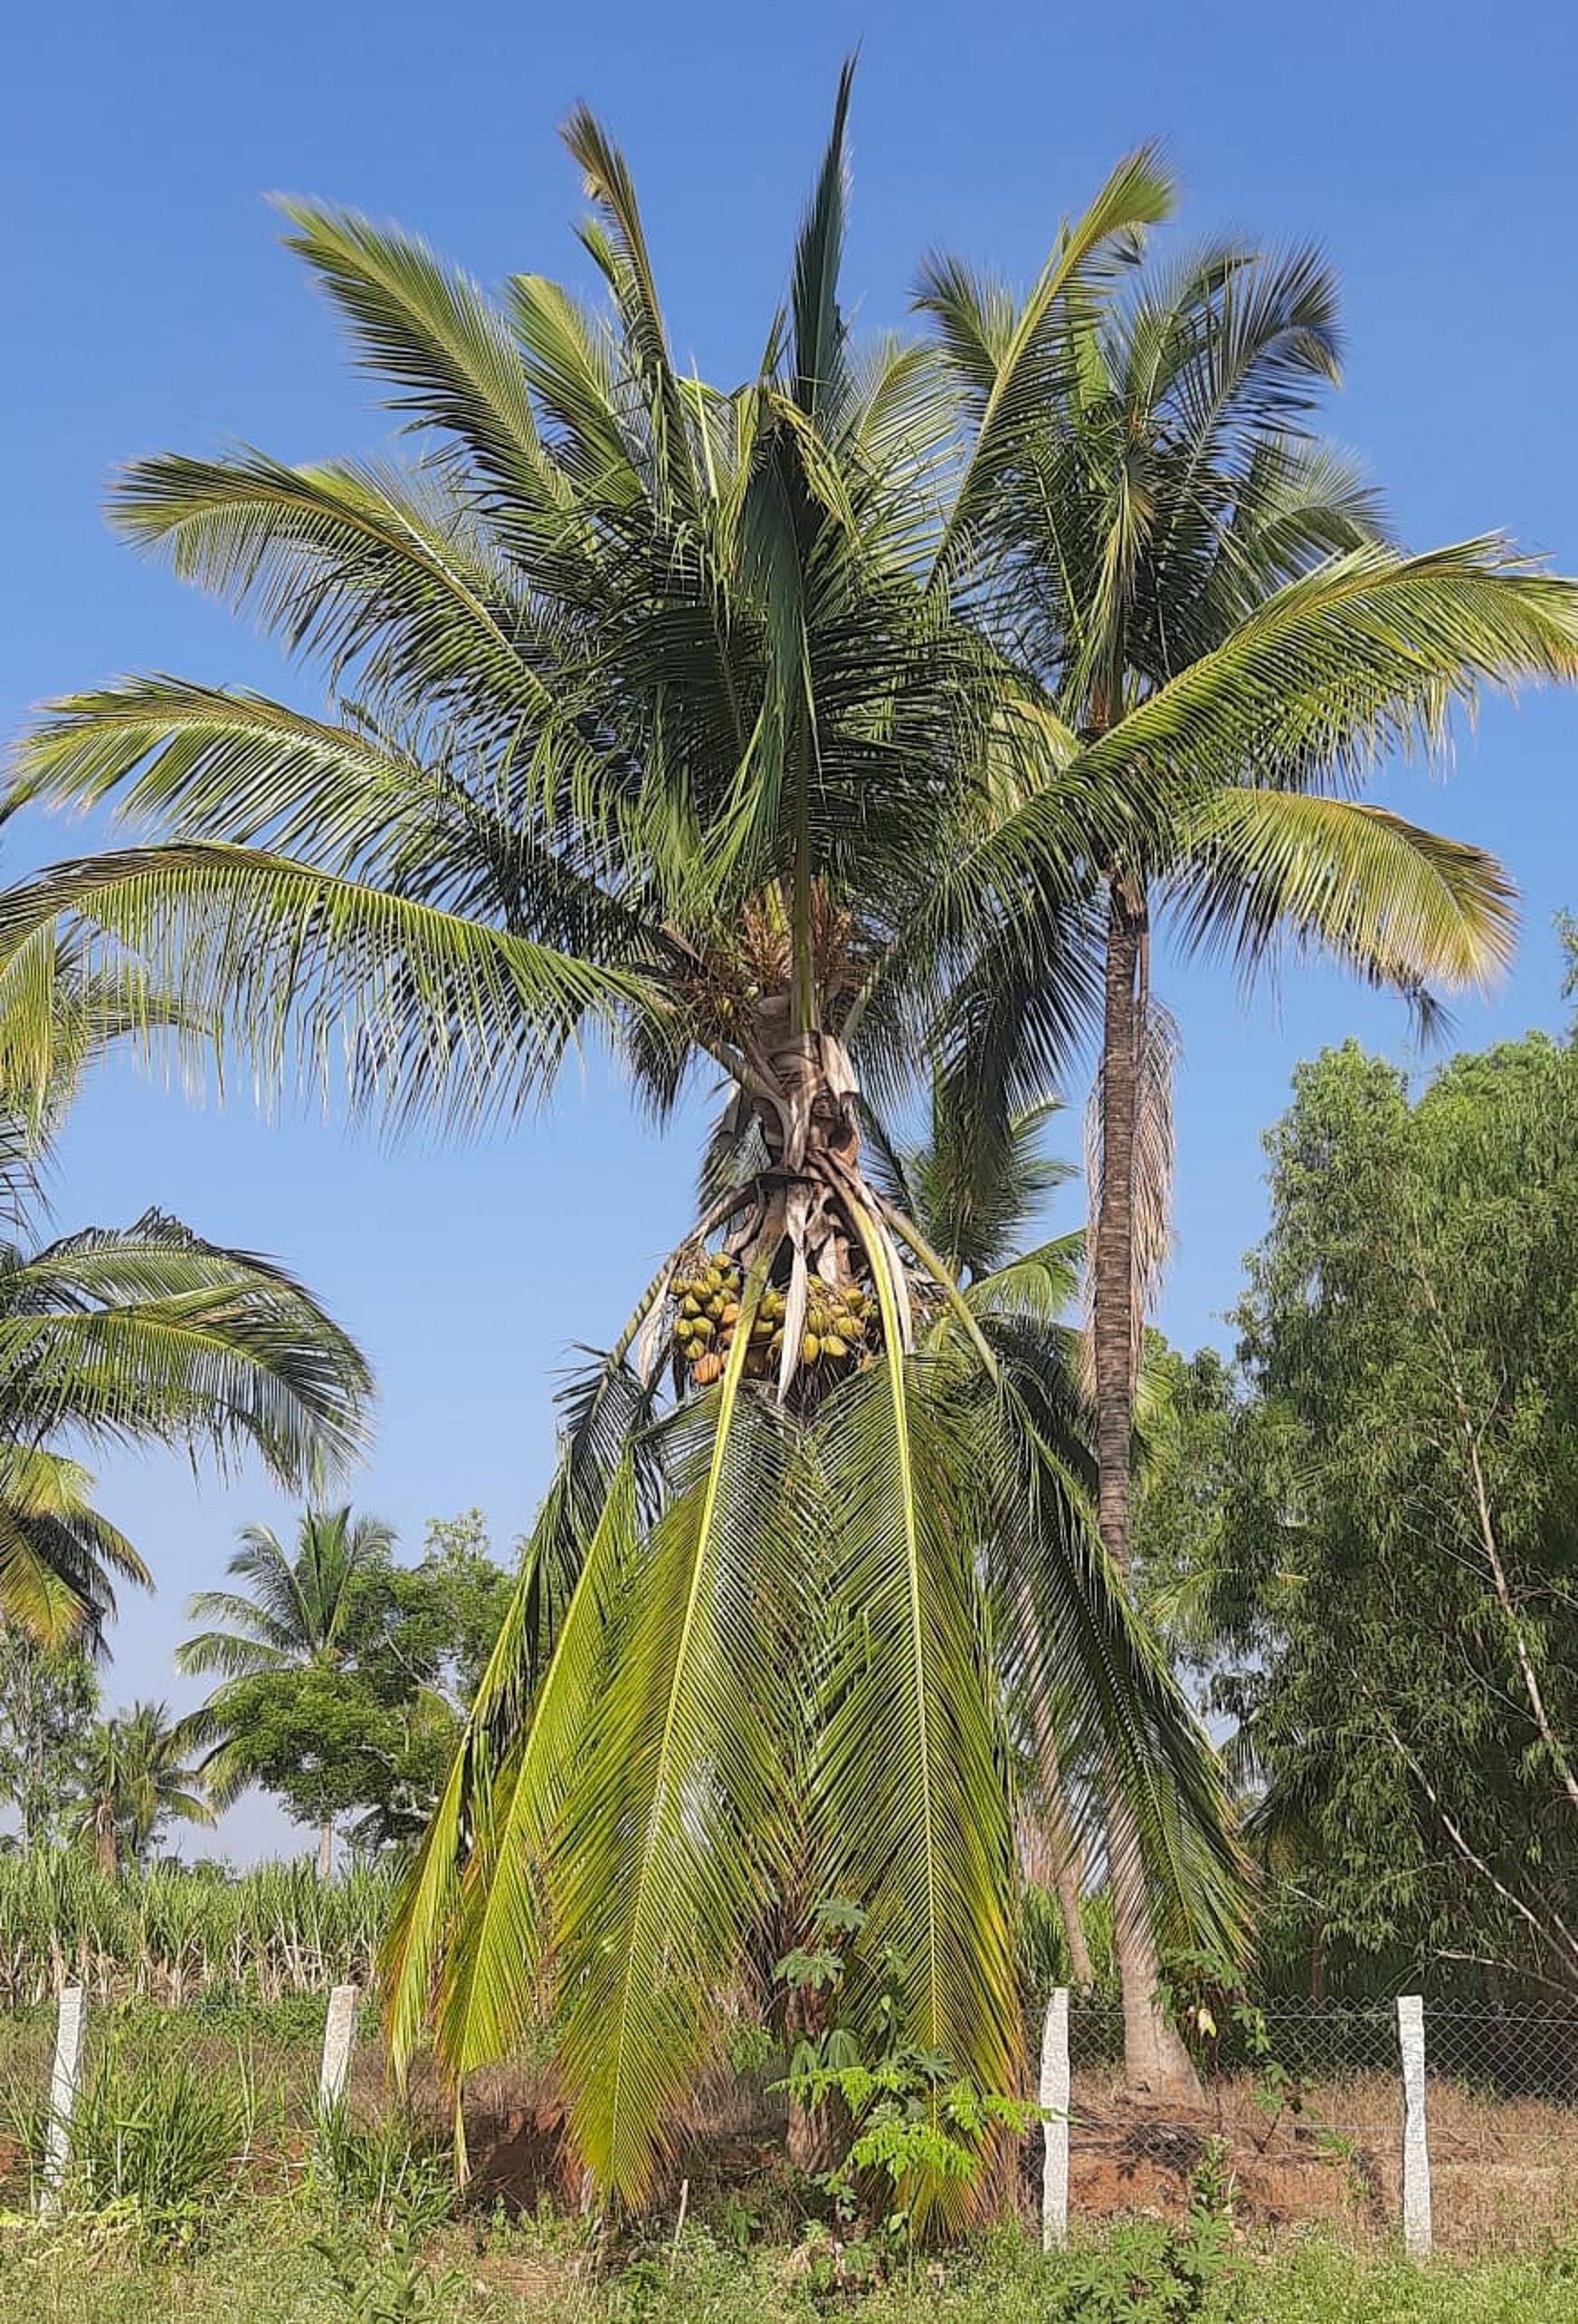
(135, 1781)
(293, 1613)
(1187, 575)
(291, 1610)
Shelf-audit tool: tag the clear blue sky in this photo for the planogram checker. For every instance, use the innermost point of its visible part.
(1428, 146)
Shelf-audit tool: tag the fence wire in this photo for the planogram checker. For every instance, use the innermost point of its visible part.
(1299, 2119)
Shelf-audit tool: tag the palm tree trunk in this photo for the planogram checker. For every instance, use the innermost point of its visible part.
(326, 1848)
(1052, 1855)
(1065, 1857)
(1155, 2057)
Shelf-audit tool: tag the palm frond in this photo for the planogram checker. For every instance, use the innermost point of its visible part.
(331, 982)
(608, 1410)
(1090, 1654)
(662, 1863)
(1400, 905)
(152, 1333)
(430, 330)
(919, 1834)
(1013, 375)
(1366, 652)
(817, 339)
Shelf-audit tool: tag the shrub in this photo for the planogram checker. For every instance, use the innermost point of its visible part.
(155, 2144)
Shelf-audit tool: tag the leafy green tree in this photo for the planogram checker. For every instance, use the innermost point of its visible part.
(136, 1780)
(648, 721)
(48, 1696)
(1187, 1407)
(1395, 1566)
(1193, 581)
(452, 1606)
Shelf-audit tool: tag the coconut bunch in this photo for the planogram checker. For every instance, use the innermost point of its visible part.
(839, 1323)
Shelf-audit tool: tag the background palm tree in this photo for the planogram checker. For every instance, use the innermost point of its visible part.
(292, 1611)
(136, 1780)
(1191, 582)
(146, 1334)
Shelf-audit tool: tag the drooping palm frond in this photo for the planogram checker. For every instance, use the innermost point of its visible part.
(606, 1484)
(920, 1833)
(151, 1334)
(1366, 652)
(1103, 1677)
(406, 1008)
(664, 1862)
(1400, 905)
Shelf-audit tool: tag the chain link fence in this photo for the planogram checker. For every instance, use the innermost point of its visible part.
(1300, 2118)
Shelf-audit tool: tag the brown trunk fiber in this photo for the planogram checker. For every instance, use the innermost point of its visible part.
(810, 2142)
(1154, 2058)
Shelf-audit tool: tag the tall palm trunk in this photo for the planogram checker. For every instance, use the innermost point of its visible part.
(1052, 1853)
(326, 1848)
(1155, 2057)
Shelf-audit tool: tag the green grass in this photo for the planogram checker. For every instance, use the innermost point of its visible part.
(295, 2263)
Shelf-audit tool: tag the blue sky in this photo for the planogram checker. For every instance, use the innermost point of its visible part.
(1429, 147)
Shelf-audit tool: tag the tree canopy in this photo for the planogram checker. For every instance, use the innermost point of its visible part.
(1392, 1571)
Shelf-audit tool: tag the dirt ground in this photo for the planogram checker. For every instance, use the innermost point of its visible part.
(1503, 2172)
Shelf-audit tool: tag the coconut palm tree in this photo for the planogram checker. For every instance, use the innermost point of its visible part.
(650, 722)
(290, 1613)
(144, 1334)
(643, 726)
(135, 1781)
(1188, 578)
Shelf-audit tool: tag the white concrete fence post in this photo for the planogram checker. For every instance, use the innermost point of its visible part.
(339, 2036)
(64, 2076)
(1054, 2100)
(1416, 2179)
